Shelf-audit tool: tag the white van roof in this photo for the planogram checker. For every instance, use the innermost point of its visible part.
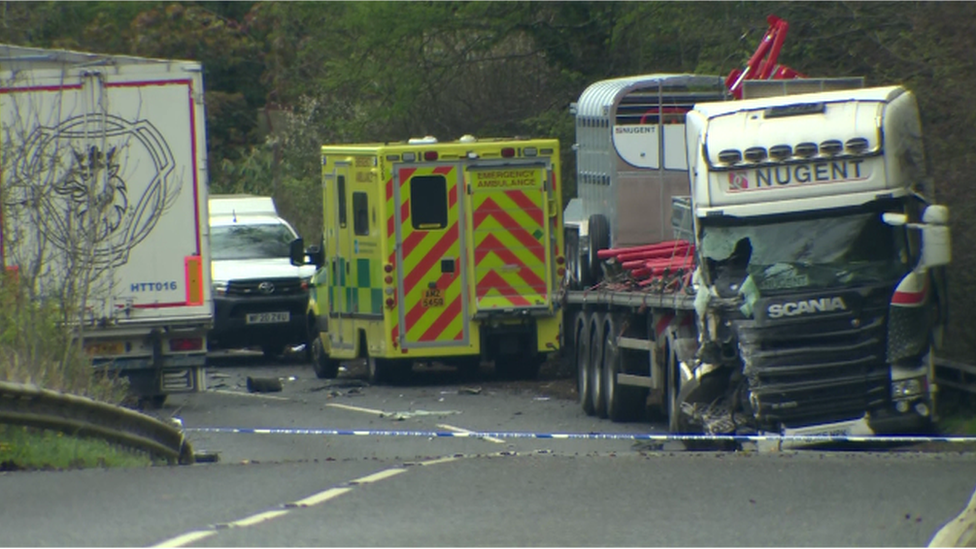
(241, 204)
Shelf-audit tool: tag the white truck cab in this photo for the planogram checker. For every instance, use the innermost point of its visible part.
(260, 298)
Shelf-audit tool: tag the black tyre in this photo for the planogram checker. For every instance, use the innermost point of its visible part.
(673, 390)
(597, 394)
(624, 402)
(599, 234)
(583, 387)
(324, 367)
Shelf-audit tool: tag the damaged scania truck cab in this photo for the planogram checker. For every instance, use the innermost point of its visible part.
(770, 265)
(817, 236)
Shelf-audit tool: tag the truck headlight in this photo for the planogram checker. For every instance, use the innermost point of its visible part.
(220, 287)
(906, 389)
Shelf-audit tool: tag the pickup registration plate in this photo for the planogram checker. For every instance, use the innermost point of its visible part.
(268, 318)
(105, 348)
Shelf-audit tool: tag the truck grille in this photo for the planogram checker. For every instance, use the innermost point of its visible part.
(265, 287)
(818, 368)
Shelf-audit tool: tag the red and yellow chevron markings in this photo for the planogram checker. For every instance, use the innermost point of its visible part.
(510, 252)
(433, 314)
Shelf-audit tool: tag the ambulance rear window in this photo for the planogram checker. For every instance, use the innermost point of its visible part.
(428, 202)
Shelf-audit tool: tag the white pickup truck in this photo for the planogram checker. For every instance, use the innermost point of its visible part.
(260, 298)
(104, 182)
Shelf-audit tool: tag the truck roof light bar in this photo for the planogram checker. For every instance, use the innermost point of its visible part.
(831, 147)
(806, 150)
(797, 109)
(780, 152)
(755, 154)
(857, 145)
(730, 156)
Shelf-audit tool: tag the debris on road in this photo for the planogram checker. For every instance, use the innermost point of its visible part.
(263, 385)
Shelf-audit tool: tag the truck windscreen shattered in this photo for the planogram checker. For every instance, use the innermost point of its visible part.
(819, 252)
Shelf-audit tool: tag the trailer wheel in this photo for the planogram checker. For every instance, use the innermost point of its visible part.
(599, 234)
(598, 398)
(324, 366)
(583, 387)
(624, 403)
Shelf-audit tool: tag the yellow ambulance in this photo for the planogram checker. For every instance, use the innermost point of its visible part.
(437, 251)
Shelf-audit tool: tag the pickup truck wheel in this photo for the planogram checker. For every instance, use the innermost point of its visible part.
(583, 387)
(597, 336)
(325, 367)
(624, 403)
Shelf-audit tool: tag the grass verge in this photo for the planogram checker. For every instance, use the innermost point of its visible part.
(25, 448)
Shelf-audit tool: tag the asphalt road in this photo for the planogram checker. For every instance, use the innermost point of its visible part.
(372, 489)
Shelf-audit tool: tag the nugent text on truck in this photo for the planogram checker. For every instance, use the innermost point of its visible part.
(801, 290)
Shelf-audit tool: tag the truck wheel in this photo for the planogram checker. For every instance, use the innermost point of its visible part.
(325, 367)
(598, 398)
(673, 389)
(583, 387)
(599, 234)
(624, 403)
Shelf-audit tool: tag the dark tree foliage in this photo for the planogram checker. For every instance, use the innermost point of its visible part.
(285, 77)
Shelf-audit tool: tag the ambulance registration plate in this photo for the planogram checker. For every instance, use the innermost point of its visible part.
(268, 318)
(433, 299)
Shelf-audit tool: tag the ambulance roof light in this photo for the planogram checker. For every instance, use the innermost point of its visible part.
(426, 140)
(467, 138)
(508, 152)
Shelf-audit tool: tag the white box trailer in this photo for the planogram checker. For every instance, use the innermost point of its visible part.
(104, 188)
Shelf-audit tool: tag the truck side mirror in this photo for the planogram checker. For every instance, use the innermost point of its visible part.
(936, 244)
(296, 252)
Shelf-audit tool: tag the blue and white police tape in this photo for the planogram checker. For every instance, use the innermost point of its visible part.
(651, 437)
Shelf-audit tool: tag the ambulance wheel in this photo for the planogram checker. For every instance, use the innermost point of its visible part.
(624, 402)
(325, 367)
(599, 233)
(597, 396)
(582, 338)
